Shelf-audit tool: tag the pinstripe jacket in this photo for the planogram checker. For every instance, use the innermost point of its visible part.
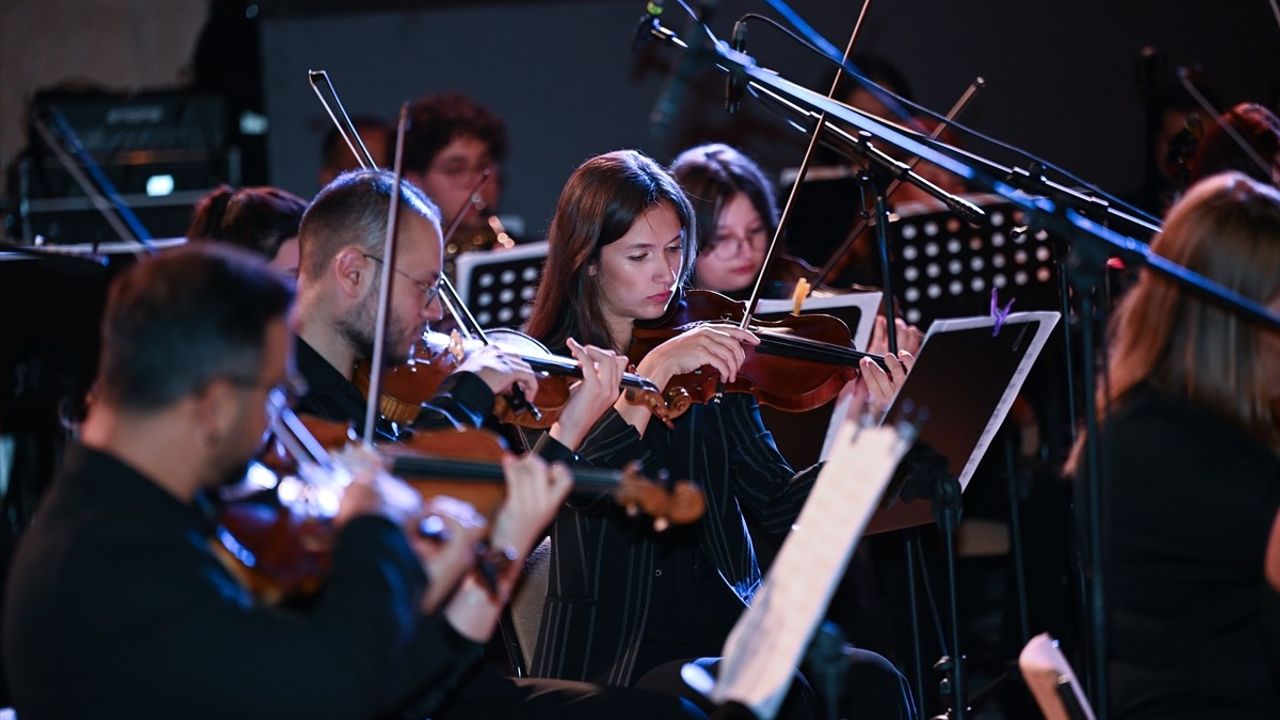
(602, 567)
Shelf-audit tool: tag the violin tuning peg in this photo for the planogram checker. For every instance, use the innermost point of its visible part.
(632, 510)
(660, 524)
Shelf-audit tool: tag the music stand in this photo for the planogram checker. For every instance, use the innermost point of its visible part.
(963, 416)
(944, 267)
(499, 285)
(958, 418)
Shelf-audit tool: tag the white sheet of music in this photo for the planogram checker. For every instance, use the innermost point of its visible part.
(771, 637)
(868, 304)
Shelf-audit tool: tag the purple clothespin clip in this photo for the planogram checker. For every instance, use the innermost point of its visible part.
(999, 315)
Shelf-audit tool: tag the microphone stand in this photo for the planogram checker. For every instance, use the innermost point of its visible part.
(859, 147)
(821, 276)
(1062, 213)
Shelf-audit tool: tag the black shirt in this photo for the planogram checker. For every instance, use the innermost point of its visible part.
(118, 608)
(1190, 502)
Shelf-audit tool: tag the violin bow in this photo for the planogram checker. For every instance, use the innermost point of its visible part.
(384, 290)
(839, 253)
(328, 96)
(804, 170)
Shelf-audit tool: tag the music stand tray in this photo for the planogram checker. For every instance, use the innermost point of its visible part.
(944, 267)
(959, 392)
(499, 285)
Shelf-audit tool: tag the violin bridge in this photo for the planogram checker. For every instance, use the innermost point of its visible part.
(455, 345)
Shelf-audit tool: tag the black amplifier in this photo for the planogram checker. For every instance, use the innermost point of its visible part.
(160, 151)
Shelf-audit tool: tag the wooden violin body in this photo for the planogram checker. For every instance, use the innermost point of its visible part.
(801, 363)
(281, 538)
(406, 387)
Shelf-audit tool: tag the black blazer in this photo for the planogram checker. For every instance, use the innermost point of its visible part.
(606, 606)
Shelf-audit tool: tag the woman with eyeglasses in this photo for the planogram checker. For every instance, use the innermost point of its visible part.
(736, 215)
(733, 204)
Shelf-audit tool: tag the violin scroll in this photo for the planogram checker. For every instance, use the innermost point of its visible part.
(680, 504)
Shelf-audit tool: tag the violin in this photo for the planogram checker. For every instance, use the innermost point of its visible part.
(801, 363)
(281, 537)
(406, 387)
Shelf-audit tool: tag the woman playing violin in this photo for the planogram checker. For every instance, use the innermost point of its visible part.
(736, 217)
(733, 203)
(626, 606)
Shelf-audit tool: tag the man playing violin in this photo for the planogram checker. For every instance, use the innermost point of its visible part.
(341, 241)
(118, 606)
(341, 245)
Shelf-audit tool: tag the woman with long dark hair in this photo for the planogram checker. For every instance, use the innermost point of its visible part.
(626, 605)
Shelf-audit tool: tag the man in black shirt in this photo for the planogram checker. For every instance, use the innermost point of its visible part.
(341, 243)
(118, 606)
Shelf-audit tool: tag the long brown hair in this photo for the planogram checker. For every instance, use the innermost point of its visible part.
(601, 201)
(1226, 228)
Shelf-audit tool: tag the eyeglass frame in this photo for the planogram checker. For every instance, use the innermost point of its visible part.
(714, 246)
(429, 290)
(465, 177)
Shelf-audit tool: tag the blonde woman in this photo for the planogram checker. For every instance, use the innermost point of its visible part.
(1191, 467)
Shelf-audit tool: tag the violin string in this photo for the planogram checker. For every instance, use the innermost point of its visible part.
(827, 351)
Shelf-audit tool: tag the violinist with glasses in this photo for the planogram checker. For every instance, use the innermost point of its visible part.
(733, 203)
(117, 605)
(341, 241)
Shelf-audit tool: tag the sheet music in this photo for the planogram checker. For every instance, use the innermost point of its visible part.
(867, 303)
(770, 638)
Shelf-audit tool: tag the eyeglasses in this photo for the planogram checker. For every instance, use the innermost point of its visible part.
(464, 176)
(428, 290)
(727, 248)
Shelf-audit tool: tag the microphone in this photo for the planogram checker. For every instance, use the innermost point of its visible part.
(671, 97)
(733, 82)
(647, 24)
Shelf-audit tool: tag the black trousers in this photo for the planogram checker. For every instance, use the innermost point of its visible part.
(489, 695)
(872, 689)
